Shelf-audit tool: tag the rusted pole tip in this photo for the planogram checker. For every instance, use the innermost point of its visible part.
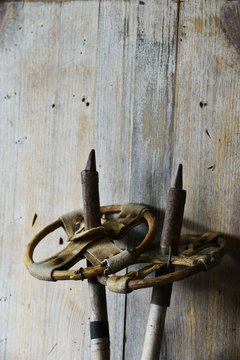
(178, 183)
(91, 163)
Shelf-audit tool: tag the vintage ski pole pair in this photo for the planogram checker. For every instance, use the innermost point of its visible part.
(92, 234)
(99, 333)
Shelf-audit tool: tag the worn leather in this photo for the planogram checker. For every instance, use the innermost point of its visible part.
(95, 244)
(192, 261)
(119, 261)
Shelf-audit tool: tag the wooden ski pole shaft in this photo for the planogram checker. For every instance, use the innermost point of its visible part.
(161, 295)
(99, 333)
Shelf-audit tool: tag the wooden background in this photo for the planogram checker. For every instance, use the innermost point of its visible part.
(149, 84)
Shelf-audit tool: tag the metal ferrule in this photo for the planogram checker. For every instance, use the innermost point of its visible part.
(91, 202)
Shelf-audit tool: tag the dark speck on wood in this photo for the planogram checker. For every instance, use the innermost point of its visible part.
(202, 104)
(212, 167)
(21, 140)
(208, 134)
(34, 219)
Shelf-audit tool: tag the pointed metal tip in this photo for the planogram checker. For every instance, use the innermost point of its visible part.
(91, 163)
(178, 183)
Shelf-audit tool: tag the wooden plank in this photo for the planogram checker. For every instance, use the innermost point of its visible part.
(43, 1)
(205, 320)
(113, 125)
(48, 63)
(152, 136)
(110, 72)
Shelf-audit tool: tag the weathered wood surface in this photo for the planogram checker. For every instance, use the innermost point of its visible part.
(207, 142)
(45, 61)
(149, 84)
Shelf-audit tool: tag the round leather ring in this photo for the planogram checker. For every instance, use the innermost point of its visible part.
(92, 271)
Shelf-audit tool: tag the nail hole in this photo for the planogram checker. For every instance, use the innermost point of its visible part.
(212, 167)
(202, 104)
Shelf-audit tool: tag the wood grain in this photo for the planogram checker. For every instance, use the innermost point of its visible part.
(48, 62)
(149, 84)
(206, 128)
(113, 125)
(152, 135)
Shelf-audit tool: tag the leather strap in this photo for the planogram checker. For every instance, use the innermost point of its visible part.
(96, 244)
(192, 261)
